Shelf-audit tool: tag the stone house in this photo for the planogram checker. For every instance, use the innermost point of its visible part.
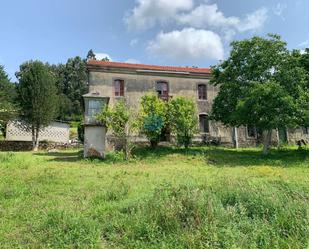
(112, 81)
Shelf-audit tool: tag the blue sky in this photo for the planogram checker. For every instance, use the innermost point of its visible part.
(177, 32)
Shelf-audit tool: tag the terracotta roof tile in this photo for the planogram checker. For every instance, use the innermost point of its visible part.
(147, 67)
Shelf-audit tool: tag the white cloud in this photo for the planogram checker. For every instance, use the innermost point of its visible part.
(133, 42)
(100, 56)
(133, 61)
(188, 43)
(209, 16)
(304, 44)
(253, 21)
(148, 13)
(280, 8)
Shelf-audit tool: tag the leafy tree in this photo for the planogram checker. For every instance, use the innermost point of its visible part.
(8, 107)
(37, 96)
(72, 83)
(91, 55)
(122, 122)
(152, 117)
(81, 132)
(76, 83)
(304, 100)
(183, 120)
(259, 65)
(268, 106)
(105, 59)
(305, 59)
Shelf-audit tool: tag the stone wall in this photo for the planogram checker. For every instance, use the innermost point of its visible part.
(27, 146)
(57, 132)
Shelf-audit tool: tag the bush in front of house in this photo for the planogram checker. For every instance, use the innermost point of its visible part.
(153, 117)
(183, 120)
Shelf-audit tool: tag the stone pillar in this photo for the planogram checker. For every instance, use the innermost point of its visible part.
(94, 130)
(94, 144)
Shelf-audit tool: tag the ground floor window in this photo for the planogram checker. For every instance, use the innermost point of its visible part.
(251, 131)
(204, 123)
(305, 130)
(162, 90)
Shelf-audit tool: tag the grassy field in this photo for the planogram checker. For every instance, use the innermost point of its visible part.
(168, 198)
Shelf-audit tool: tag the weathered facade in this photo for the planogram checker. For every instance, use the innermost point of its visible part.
(131, 81)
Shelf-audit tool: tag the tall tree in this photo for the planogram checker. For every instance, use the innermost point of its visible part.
(72, 83)
(91, 55)
(8, 108)
(304, 61)
(258, 69)
(38, 97)
(76, 84)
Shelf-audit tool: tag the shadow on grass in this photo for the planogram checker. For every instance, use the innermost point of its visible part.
(227, 157)
(161, 151)
(216, 156)
(63, 156)
(286, 157)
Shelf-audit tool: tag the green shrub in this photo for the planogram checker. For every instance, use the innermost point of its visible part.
(81, 132)
(153, 117)
(183, 120)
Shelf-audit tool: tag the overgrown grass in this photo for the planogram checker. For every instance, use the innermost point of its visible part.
(167, 198)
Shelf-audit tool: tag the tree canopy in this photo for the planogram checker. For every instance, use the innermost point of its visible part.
(37, 96)
(8, 107)
(263, 84)
(72, 82)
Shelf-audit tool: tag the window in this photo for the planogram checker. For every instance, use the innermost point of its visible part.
(202, 91)
(162, 90)
(305, 130)
(119, 88)
(251, 131)
(204, 123)
(95, 107)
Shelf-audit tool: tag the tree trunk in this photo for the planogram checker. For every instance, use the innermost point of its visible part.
(267, 141)
(126, 143)
(33, 137)
(235, 137)
(153, 143)
(126, 150)
(278, 138)
(36, 139)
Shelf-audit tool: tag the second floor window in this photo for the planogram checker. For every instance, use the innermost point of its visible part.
(119, 88)
(202, 91)
(162, 90)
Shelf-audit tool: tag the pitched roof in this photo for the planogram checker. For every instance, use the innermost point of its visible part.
(147, 67)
